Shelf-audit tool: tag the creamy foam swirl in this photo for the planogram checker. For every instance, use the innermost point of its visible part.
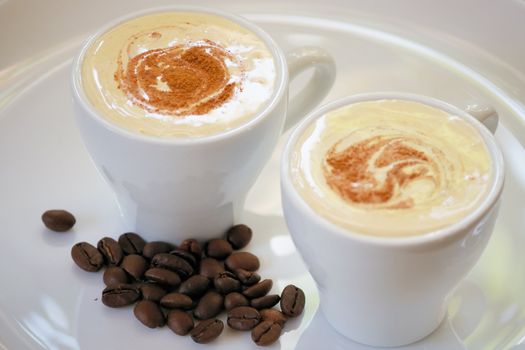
(179, 80)
(379, 171)
(178, 74)
(391, 168)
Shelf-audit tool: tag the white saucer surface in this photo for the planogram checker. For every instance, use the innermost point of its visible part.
(46, 302)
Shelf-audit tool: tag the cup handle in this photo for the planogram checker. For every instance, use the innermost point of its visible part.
(485, 114)
(299, 60)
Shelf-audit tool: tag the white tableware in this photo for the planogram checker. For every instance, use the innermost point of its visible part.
(173, 188)
(367, 284)
(47, 303)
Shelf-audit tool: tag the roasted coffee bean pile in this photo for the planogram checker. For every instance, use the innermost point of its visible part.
(176, 285)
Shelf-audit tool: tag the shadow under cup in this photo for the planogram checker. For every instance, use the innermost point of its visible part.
(174, 188)
(388, 291)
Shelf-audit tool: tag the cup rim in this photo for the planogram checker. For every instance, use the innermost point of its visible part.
(278, 93)
(430, 237)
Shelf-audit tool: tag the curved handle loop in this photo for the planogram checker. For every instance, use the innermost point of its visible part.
(485, 114)
(299, 60)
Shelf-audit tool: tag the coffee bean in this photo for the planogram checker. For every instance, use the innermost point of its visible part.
(135, 265)
(266, 333)
(180, 322)
(218, 249)
(170, 266)
(239, 236)
(176, 301)
(247, 278)
(195, 286)
(87, 257)
(210, 267)
(131, 243)
(265, 302)
(292, 301)
(259, 289)
(149, 313)
(226, 282)
(210, 305)
(173, 263)
(115, 275)
(242, 260)
(273, 315)
(153, 248)
(186, 256)
(120, 295)
(243, 318)
(192, 246)
(111, 251)
(151, 291)
(235, 299)
(207, 331)
(162, 276)
(58, 220)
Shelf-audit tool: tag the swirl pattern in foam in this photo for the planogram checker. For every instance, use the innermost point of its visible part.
(178, 74)
(391, 167)
(179, 80)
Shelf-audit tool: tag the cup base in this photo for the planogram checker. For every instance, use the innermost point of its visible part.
(172, 226)
(377, 338)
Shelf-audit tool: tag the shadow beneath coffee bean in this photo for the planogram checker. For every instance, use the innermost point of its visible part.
(320, 335)
(59, 239)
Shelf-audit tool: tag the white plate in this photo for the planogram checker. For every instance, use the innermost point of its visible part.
(48, 303)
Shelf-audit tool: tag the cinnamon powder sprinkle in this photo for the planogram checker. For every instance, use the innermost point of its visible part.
(178, 81)
(350, 171)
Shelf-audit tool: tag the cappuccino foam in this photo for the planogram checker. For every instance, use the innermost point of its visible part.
(178, 74)
(391, 167)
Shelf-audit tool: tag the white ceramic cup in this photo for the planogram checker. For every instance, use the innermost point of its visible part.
(389, 291)
(168, 189)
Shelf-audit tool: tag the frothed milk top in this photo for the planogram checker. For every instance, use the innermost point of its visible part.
(178, 74)
(391, 167)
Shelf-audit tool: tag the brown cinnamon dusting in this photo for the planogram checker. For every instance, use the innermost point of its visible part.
(179, 80)
(349, 170)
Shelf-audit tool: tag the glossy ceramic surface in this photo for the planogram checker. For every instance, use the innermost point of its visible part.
(368, 283)
(47, 303)
(160, 183)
